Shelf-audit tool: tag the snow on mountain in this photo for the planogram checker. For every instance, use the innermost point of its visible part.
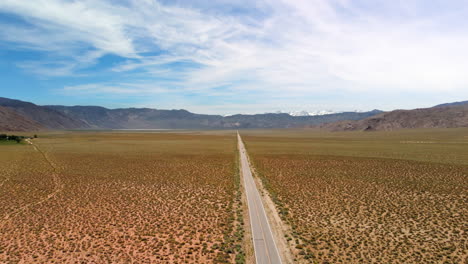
(314, 113)
(299, 113)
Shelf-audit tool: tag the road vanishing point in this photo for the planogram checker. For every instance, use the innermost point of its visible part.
(264, 244)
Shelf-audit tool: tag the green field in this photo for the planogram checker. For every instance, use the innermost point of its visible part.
(360, 197)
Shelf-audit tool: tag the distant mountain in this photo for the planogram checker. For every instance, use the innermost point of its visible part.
(96, 117)
(47, 117)
(288, 121)
(137, 118)
(453, 104)
(12, 121)
(146, 118)
(442, 116)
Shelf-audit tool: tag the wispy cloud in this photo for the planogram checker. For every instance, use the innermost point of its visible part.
(137, 89)
(96, 23)
(278, 48)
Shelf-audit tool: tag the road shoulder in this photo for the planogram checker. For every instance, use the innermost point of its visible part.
(281, 231)
(248, 245)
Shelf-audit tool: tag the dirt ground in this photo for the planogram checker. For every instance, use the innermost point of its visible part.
(369, 197)
(119, 198)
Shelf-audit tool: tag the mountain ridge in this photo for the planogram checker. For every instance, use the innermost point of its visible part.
(452, 104)
(124, 118)
(61, 117)
(450, 115)
(21, 115)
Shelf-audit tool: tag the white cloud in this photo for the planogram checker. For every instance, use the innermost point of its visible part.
(282, 47)
(136, 89)
(68, 22)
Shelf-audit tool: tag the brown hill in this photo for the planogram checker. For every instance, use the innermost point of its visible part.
(49, 118)
(450, 116)
(12, 121)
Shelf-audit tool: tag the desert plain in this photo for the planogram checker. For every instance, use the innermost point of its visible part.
(175, 196)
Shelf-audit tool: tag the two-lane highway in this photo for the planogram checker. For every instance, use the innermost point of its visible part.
(263, 240)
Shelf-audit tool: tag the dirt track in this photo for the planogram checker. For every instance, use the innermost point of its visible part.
(57, 188)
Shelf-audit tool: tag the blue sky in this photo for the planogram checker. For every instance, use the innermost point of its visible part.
(226, 57)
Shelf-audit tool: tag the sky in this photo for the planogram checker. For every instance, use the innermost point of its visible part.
(243, 56)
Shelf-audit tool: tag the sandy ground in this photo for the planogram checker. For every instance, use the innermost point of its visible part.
(57, 188)
(121, 199)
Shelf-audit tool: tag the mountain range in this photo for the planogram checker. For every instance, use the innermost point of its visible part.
(58, 117)
(16, 115)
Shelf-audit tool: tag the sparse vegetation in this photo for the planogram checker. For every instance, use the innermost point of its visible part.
(362, 204)
(167, 197)
(145, 198)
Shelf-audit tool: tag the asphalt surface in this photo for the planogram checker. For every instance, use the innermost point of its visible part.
(263, 241)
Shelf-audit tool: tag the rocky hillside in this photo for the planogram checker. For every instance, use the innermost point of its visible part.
(47, 117)
(442, 116)
(12, 121)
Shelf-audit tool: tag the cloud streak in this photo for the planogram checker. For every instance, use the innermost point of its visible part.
(276, 48)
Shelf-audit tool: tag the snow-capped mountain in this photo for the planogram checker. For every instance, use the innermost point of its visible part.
(299, 113)
(306, 113)
(314, 113)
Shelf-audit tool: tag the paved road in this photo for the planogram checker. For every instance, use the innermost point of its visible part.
(263, 241)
